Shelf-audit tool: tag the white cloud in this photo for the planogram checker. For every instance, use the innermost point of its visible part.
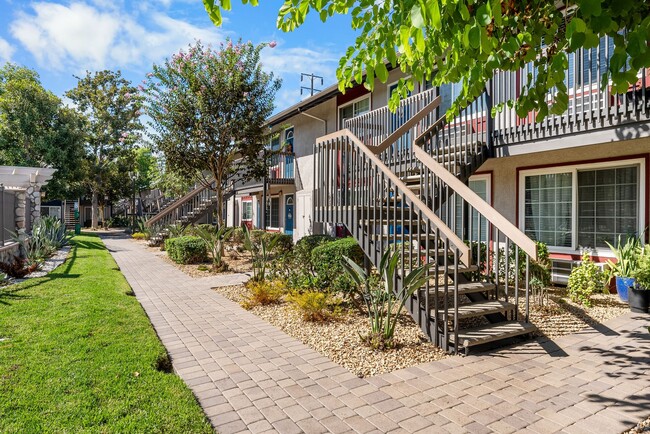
(58, 34)
(81, 36)
(6, 51)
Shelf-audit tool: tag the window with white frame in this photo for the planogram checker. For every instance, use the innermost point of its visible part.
(247, 210)
(584, 205)
(353, 109)
(478, 226)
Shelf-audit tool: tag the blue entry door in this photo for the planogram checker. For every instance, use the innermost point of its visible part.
(288, 216)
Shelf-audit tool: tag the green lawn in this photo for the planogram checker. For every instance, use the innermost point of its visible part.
(78, 354)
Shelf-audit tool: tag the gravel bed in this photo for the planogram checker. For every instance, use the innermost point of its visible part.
(339, 339)
(560, 316)
(49, 265)
(643, 426)
(237, 262)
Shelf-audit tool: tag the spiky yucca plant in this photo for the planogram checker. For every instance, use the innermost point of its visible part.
(384, 302)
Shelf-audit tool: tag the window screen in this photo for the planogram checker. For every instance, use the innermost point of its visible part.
(548, 211)
(607, 205)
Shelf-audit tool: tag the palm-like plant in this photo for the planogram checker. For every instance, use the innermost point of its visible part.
(176, 230)
(384, 301)
(627, 257)
(214, 240)
(260, 253)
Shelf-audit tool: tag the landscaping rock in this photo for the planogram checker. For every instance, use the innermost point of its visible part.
(339, 339)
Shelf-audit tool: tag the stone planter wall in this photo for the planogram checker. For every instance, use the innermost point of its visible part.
(8, 252)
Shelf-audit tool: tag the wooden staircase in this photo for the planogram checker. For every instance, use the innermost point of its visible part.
(407, 191)
(183, 211)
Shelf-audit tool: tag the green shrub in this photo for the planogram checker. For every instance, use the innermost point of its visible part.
(237, 236)
(284, 243)
(186, 250)
(539, 269)
(263, 293)
(327, 260)
(214, 239)
(642, 271)
(585, 280)
(296, 268)
(304, 247)
(138, 236)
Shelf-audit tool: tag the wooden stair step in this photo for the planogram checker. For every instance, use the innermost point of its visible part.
(467, 288)
(482, 308)
(461, 269)
(493, 332)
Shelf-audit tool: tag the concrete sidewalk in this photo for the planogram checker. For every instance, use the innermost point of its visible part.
(250, 376)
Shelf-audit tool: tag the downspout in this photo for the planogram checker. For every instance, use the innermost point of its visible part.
(300, 112)
(313, 210)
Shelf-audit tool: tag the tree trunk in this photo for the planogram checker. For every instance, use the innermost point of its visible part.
(219, 205)
(95, 200)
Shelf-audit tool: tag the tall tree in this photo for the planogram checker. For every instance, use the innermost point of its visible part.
(37, 130)
(467, 41)
(207, 110)
(111, 105)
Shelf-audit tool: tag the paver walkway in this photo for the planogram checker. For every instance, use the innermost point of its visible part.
(249, 375)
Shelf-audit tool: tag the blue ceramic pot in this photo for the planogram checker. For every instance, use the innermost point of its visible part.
(622, 284)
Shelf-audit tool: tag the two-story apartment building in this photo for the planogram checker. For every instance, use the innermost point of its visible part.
(467, 198)
(573, 181)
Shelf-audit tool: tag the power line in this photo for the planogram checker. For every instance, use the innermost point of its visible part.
(311, 77)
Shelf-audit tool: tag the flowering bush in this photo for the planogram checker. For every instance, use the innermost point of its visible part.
(207, 105)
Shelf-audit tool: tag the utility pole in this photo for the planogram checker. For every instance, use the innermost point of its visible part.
(311, 77)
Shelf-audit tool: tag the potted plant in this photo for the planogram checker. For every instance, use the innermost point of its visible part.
(627, 256)
(639, 295)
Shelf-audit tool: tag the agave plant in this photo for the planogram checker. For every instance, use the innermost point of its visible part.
(260, 253)
(214, 240)
(52, 231)
(384, 301)
(176, 230)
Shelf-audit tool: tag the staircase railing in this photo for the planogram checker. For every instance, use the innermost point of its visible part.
(360, 191)
(183, 207)
(445, 224)
(376, 126)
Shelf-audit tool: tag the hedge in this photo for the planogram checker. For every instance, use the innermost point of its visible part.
(327, 259)
(186, 250)
(304, 247)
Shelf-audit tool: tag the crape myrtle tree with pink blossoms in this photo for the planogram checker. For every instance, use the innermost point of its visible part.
(111, 106)
(207, 109)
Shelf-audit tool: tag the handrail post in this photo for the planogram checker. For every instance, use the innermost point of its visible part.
(489, 89)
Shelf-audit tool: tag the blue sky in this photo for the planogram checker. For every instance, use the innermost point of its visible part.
(60, 39)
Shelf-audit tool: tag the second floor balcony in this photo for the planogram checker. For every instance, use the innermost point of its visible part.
(281, 168)
(591, 107)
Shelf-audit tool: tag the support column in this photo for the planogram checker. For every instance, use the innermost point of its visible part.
(20, 212)
(34, 192)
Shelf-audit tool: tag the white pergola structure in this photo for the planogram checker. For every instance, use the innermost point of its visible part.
(24, 184)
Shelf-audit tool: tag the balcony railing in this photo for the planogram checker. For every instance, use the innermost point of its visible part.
(282, 168)
(377, 125)
(590, 107)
